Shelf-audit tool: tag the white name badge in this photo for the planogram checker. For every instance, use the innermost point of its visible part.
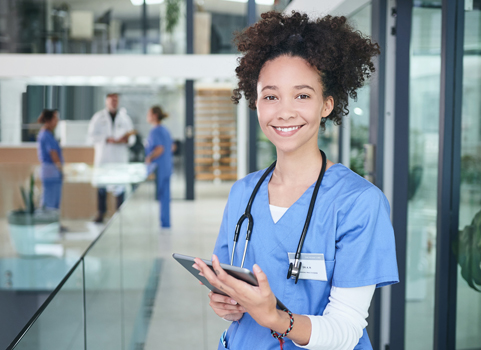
(313, 266)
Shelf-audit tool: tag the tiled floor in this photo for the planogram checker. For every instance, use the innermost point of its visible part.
(182, 318)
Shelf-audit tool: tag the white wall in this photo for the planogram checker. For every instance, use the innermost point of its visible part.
(11, 112)
(119, 66)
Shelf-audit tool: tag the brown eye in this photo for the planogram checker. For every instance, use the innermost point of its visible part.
(270, 98)
(303, 97)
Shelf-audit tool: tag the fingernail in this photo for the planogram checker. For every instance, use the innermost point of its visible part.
(213, 257)
(233, 302)
(257, 268)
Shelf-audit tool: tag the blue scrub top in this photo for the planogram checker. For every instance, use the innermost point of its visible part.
(46, 143)
(160, 136)
(350, 225)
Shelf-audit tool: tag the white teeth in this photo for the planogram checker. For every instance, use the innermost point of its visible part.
(288, 129)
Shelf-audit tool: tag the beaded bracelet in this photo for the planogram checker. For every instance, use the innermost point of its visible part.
(281, 336)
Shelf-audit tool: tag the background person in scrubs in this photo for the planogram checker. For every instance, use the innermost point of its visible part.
(298, 73)
(51, 160)
(158, 154)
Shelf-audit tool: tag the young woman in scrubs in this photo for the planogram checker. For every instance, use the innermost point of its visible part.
(51, 160)
(158, 153)
(298, 73)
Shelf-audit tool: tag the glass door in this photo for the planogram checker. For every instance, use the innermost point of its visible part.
(358, 117)
(425, 75)
(468, 317)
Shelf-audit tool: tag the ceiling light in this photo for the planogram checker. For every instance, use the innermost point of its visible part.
(148, 2)
(258, 2)
(358, 111)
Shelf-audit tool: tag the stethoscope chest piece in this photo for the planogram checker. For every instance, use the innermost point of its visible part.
(294, 271)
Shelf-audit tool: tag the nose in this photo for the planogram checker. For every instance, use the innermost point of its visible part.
(286, 110)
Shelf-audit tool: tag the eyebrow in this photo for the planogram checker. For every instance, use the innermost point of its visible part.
(269, 87)
(297, 87)
(300, 87)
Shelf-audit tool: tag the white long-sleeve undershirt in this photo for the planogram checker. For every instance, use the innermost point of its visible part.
(341, 325)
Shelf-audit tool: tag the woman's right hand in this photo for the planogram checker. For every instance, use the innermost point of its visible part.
(226, 307)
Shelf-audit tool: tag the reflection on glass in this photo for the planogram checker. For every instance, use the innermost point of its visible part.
(423, 172)
(140, 273)
(359, 107)
(103, 303)
(121, 269)
(359, 119)
(60, 326)
(468, 317)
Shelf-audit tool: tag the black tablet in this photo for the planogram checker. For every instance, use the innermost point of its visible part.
(238, 272)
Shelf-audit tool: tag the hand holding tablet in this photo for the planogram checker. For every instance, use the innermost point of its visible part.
(242, 274)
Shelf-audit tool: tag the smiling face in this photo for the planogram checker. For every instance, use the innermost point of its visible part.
(290, 103)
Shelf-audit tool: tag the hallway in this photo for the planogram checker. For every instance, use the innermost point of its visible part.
(182, 318)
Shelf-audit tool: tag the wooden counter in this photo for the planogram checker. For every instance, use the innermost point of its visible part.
(17, 163)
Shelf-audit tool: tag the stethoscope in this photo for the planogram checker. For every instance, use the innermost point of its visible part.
(294, 268)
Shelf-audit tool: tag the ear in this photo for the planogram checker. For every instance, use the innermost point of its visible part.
(327, 107)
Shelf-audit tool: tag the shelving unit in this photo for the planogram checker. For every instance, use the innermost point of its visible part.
(215, 135)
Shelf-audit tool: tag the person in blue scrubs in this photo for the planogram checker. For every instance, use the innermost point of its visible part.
(298, 73)
(158, 155)
(51, 160)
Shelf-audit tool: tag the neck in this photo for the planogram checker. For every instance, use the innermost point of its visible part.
(299, 167)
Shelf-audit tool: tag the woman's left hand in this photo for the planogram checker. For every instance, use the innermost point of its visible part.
(258, 301)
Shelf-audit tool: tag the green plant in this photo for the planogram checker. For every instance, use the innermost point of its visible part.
(357, 164)
(28, 197)
(470, 169)
(467, 249)
(172, 15)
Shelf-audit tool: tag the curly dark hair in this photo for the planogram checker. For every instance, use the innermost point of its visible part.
(341, 54)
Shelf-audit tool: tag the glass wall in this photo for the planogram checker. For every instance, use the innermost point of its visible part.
(105, 300)
(468, 318)
(121, 26)
(425, 65)
(359, 108)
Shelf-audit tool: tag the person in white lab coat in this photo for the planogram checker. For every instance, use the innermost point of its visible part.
(111, 132)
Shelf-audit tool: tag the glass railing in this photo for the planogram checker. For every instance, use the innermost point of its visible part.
(122, 26)
(89, 287)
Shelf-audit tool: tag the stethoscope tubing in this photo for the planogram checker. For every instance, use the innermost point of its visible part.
(294, 269)
(247, 215)
(311, 207)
